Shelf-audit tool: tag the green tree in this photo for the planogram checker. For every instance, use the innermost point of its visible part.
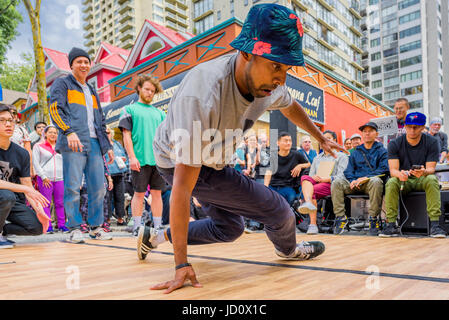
(17, 76)
(9, 19)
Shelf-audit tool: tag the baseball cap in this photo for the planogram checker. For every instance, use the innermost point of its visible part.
(436, 120)
(415, 118)
(369, 124)
(356, 135)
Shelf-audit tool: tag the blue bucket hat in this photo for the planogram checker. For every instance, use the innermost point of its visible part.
(274, 32)
(415, 118)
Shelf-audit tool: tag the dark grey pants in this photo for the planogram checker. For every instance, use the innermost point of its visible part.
(227, 197)
(23, 220)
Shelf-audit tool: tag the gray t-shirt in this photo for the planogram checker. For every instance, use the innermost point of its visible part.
(208, 115)
(90, 109)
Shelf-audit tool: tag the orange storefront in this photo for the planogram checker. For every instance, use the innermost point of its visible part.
(331, 103)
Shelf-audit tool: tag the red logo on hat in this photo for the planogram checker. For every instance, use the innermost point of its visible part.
(298, 24)
(261, 47)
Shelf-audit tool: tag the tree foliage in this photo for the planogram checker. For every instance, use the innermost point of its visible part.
(17, 76)
(9, 20)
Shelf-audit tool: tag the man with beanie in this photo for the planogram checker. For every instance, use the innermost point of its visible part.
(406, 153)
(434, 131)
(75, 110)
(228, 94)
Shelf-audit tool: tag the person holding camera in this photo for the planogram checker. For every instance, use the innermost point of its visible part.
(412, 159)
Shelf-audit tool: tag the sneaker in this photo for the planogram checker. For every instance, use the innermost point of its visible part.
(6, 245)
(84, 228)
(99, 233)
(390, 230)
(106, 227)
(76, 236)
(306, 208)
(340, 225)
(313, 229)
(50, 229)
(304, 251)
(64, 229)
(374, 226)
(436, 231)
(146, 241)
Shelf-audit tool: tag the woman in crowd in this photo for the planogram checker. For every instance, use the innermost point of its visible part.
(47, 164)
(117, 172)
(316, 186)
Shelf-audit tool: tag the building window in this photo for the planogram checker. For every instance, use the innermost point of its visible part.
(153, 45)
(375, 56)
(410, 46)
(219, 15)
(411, 90)
(375, 42)
(409, 17)
(391, 66)
(376, 84)
(390, 52)
(391, 95)
(391, 81)
(409, 32)
(202, 6)
(204, 24)
(411, 76)
(376, 70)
(416, 104)
(407, 3)
(375, 28)
(378, 97)
(411, 61)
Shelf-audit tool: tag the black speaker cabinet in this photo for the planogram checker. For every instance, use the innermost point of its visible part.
(418, 221)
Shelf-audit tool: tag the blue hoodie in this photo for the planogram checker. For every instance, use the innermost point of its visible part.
(358, 167)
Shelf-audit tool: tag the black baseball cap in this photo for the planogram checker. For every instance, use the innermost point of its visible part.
(369, 124)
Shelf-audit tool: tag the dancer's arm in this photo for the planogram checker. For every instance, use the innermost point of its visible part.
(184, 180)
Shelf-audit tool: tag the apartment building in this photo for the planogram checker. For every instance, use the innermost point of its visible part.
(404, 43)
(118, 22)
(332, 29)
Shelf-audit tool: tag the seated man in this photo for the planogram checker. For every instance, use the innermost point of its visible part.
(366, 163)
(317, 184)
(412, 159)
(15, 186)
(290, 164)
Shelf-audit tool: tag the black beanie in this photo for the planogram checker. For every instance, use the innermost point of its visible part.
(75, 53)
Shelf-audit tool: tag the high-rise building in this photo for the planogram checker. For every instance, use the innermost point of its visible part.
(404, 42)
(118, 21)
(332, 29)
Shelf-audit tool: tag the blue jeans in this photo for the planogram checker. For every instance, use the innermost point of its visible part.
(288, 193)
(92, 165)
(227, 197)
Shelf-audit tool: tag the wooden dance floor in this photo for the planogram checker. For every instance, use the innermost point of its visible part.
(352, 267)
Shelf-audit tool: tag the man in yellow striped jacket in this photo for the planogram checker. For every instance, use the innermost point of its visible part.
(75, 110)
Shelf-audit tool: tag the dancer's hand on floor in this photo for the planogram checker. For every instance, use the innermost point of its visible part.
(181, 275)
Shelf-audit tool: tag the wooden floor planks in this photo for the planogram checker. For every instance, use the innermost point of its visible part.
(409, 268)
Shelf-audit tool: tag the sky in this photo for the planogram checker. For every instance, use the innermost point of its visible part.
(61, 28)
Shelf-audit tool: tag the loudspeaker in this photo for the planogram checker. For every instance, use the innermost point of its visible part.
(418, 221)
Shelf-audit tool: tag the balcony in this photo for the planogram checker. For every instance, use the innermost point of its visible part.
(126, 26)
(356, 48)
(327, 65)
(124, 7)
(356, 65)
(86, 2)
(125, 18)
(324, 23)
(327, 4)
(122, 1)
(87, 8)
(356, 31)
(127, 35)
(88, 25)
(326, 44)
(300, 5)
(355, 13)
(89, 42)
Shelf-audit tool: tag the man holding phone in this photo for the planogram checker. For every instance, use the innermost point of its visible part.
(412, 159)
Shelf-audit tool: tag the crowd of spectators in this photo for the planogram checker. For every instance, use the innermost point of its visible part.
(407, 164)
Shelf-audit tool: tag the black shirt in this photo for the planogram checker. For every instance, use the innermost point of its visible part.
(14, 164)
(427, 150)
(283, 176)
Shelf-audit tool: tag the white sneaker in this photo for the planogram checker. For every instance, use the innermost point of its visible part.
(99, 234)
(306, 208)
(313, 229)
(304, 251)
(76, 236)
